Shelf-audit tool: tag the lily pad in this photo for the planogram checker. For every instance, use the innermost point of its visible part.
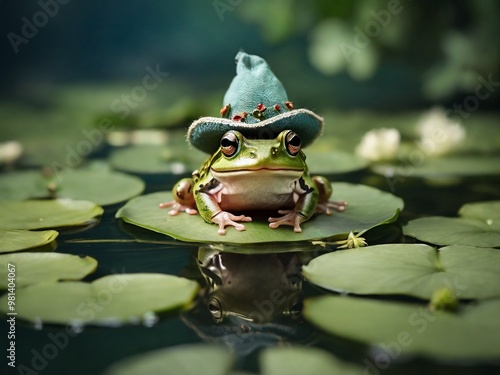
(479, 225)
(22, 185)
(400, 329)
(100, 187)
(157, 159)
(110, 300)
(17, 240)
(42, 214)
(329, 162)
(367, 207)
(48, 133)
(33, 268)
(303, 360)
(208, 359)
(449, 166)
(409, 269)
(180, 360)
(488, 212)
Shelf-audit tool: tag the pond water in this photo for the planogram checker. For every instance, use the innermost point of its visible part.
(267, 287)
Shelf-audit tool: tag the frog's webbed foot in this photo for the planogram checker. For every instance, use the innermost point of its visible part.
(224, 219)
(178, 207)
(183, 198)
(328, 206)
(289, 217)
(325, 206)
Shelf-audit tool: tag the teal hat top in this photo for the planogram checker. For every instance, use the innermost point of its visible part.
(257, 106)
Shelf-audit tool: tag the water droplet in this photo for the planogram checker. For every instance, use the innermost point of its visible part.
(38, 323)
(149, 319)
(76, 326)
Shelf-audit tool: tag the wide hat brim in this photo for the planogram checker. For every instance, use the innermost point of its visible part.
(206, 132)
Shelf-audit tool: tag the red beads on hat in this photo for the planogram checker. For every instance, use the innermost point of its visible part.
(258, 112)
(241, 117)
(224, 111)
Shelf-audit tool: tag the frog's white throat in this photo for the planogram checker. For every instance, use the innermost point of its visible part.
(257, 189)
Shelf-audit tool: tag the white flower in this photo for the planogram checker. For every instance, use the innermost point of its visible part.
(149, 137)
(438, 134)
(379, 144)
(10, 152)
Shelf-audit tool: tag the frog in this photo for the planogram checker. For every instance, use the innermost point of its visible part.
(247, 174)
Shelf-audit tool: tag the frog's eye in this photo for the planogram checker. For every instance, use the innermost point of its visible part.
(292, 143)
(215, 308)
(229, 144)
(295, 309)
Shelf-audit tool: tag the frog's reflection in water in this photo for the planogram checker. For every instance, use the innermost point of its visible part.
(257, 287)
(250, 300)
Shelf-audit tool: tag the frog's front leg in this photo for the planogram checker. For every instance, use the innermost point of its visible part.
(325, 192)
(183, 198)
(208, 197)
(305, 195)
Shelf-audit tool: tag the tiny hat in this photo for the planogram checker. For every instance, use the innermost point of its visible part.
(257, 106)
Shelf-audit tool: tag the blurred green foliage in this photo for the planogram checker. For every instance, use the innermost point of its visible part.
(448, 43)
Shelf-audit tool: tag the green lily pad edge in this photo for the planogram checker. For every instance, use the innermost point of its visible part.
(415, 270)
(478, 225)
(367, 208)
(212, 359)
(127, 298)
(38, 267)
(47, 214)
(470, 335)
(102, 188)
(20, 239)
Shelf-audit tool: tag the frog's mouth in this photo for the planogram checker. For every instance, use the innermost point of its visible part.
(258, 180)
(258, 174)
(277, 170)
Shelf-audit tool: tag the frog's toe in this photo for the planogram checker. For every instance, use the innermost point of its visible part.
(337, 205)
(222, 228)
(173, 212)
(167, 204)
(289, 218)
(224, 219)
(177, 207)
(328, 206)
